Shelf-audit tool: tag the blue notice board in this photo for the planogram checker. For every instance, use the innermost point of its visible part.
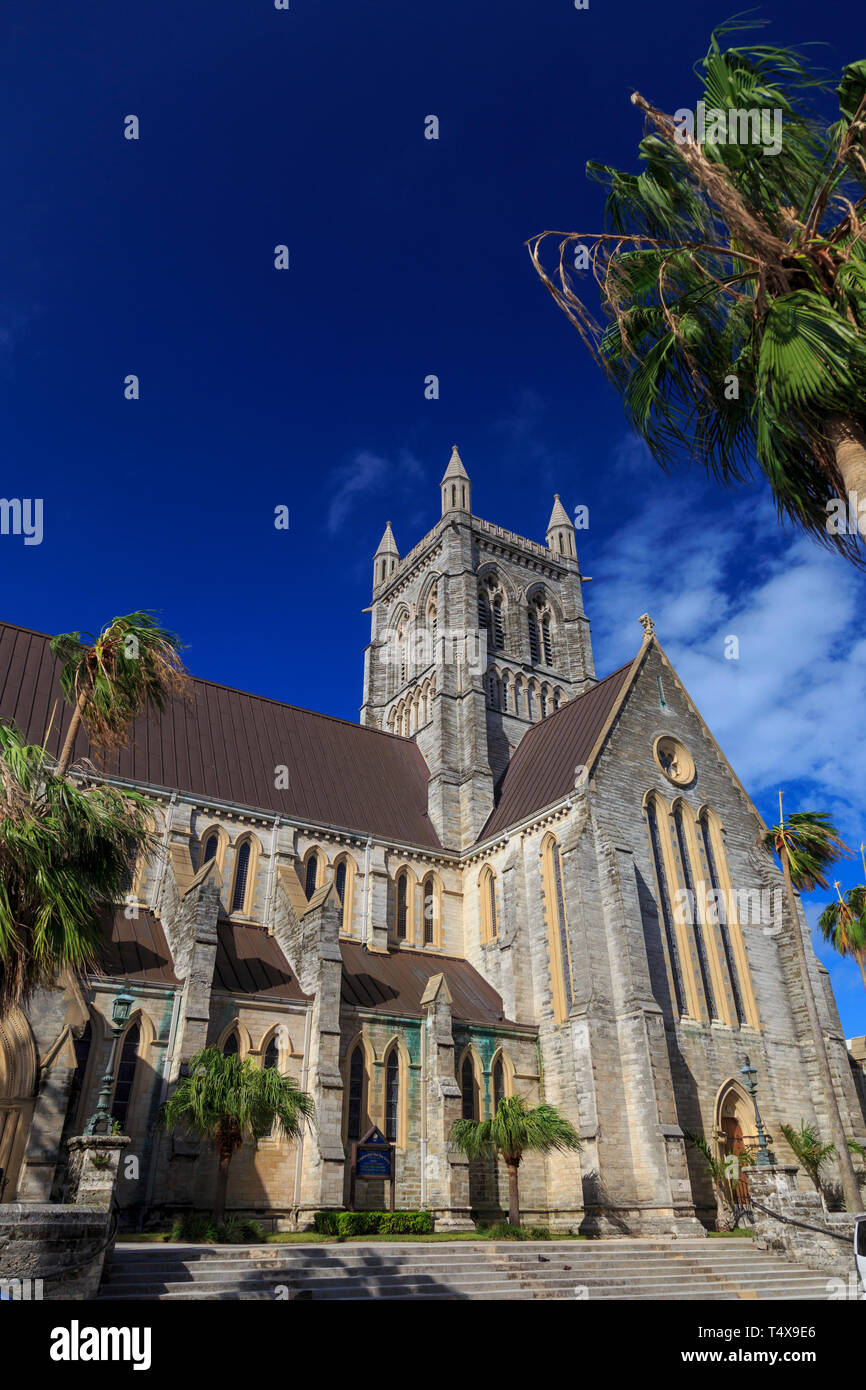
(375, 1156)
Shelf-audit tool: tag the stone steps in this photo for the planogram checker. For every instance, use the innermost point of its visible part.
(614, 1269)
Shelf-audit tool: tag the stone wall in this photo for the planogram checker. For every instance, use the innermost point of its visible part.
(795, 1222)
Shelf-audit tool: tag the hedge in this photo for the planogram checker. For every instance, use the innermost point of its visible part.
(371, 1223)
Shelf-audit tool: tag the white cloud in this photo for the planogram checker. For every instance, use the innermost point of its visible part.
(369, 474)
(790, 708)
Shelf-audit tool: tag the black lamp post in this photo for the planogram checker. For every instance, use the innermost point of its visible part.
(766, 1158)
(100, 1120)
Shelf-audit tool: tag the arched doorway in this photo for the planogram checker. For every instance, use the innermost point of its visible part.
(735, 1133)
(17, 1098)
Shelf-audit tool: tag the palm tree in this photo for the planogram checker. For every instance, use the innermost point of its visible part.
(807, 1148)
(843, 924)
(726, 1217)
(806, 844)
(732, 283)
(515, 1129)
(65, 852)
(133, 664)
(226, 1100)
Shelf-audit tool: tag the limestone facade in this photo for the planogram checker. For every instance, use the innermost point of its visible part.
(535, 943)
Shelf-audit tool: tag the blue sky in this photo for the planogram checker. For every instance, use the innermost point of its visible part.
(305, 388)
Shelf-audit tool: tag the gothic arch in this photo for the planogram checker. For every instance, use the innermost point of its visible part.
(428, 589)
(488, 569)
(245, 1042)
(279, 1033)
(359, 1040)
(500, 1056)
(470, 1054)
(431, 880)
(397, 1046)
(19, 1069)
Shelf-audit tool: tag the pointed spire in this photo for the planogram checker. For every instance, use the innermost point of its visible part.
(559, 516)
(455, 486)
(388, 545)
(560, 531)
(386, 559)
(455, 467)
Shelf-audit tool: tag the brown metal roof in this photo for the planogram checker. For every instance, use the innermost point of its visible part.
(225, 745)
(543, 768)
(136, 949)
(394, 984)
(249, 961)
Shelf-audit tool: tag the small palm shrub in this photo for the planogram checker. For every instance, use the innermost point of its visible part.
(500, 1230)
(195, 1228)
(369, 1223)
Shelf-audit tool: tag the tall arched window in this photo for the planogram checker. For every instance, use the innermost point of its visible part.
(487, 903)
(498, 1083)
(546, 640)
(392, 1096)
(498, 624)
(401, 912)
(485, 622)
(726, 927)
(340, 880)
(493, 690)
(211, 845)
(242, 870)
(534, 640)
(272, 1053)
(655, 834)
(468, 1089)
(311, 875)
(709, 1000)
(429, 912)
(232, 1045)
(559, 947)
(357, 1069)
(126, 1074)
(344, 882)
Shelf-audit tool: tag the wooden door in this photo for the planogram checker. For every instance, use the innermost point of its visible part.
(734, 1144)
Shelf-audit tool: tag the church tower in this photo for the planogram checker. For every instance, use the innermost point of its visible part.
(476, 634)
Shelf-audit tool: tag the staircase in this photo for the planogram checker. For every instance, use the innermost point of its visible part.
(657, 1269)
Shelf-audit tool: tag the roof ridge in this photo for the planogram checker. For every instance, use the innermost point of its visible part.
(250, 694)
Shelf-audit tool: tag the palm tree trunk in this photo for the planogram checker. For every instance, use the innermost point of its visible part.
(219, 1205)
(849, 446)
(513, 1193)
(861, 961)
(71, 735)
(837, 1133)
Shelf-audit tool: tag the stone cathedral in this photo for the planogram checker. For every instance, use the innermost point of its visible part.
(511, 876)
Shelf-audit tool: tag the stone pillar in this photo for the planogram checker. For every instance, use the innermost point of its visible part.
(94, 1160)
(311, 945)
(447, 1170)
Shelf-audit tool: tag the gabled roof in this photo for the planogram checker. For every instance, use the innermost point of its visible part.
(394, 984)
(543, 769)
(136, 949)
(249, 961)
(225, 745)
